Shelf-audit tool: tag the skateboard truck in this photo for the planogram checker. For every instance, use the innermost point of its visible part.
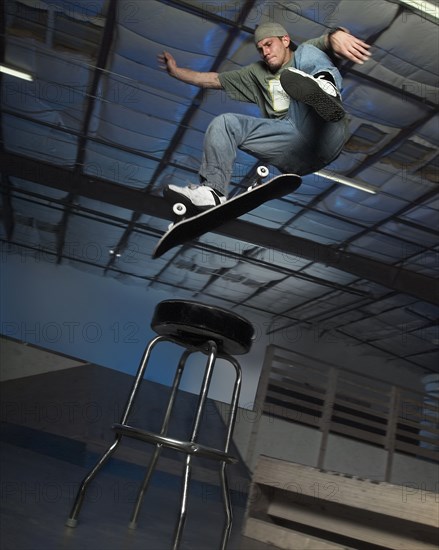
(261, 173)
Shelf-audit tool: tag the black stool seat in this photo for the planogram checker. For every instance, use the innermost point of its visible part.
(195, 323)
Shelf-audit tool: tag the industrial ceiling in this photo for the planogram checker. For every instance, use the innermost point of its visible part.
(89, 143)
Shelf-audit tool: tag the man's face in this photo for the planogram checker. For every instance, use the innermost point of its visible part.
(274, 51)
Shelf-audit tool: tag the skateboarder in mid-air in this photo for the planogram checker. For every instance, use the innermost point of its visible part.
(303, 125)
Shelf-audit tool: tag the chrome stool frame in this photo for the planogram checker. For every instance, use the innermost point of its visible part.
(195, 337)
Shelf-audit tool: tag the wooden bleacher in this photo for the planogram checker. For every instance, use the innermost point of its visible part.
(296, 507)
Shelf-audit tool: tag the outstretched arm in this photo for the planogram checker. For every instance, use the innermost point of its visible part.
(346, 45)
(196, 78)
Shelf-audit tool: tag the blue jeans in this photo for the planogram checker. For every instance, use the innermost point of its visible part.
(300, 143)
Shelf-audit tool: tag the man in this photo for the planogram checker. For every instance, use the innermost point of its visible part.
(303, 127)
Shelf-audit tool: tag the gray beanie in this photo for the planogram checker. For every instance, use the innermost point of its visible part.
(267, 30)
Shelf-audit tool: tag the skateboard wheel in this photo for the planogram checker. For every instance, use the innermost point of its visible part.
(262, 171)
(179, 209)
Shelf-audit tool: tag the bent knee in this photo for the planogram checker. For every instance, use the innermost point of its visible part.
(224, 120)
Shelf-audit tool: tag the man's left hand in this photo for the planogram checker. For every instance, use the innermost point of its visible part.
(349, 47)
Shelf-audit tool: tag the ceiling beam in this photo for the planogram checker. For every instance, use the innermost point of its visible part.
(63, 179)
(289, 246)
(92, 93)
(391, 277)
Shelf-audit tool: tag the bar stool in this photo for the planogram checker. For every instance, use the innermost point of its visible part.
(195, 327)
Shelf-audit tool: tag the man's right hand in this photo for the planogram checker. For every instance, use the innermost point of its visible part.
(167, 63)
(201, 79)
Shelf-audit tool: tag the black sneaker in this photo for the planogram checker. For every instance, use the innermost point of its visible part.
(318, 91)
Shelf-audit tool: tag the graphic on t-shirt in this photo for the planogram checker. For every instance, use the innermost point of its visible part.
(280, 99)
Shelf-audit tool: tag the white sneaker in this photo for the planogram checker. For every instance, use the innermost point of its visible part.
(201, 197)
(317, 91)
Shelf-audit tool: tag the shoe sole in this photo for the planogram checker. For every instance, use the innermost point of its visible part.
(307, 91)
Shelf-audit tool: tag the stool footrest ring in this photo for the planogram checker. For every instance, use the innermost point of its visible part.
(188, 447)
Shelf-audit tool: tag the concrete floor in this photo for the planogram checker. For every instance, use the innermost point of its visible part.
(38, 491)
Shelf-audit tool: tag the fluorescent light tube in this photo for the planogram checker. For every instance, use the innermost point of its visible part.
(346, 181)
(16, 73)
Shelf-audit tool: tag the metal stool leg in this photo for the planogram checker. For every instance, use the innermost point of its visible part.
(223, 473)
(183, 504)
(163, 431)
(72, 520)
(212, 354)
(227, 506)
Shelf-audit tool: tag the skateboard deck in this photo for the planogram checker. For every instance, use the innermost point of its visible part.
(208, 220)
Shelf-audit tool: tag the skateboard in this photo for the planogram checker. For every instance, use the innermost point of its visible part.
(194, 223)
